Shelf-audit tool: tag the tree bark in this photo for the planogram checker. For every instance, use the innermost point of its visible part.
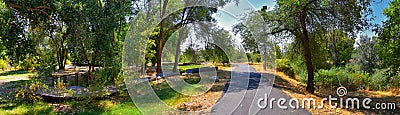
(307, 53)
(175, 69)
(265, 62)
(162, 36)
(333, 48)
(159, 54)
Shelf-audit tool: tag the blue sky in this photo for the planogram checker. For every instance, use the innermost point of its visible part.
(377, 9)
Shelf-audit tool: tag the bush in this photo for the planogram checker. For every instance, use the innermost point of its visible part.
(326, 78)
(254, 57)
(379, 80)
(298, 68)
(3, 65)
(358, 79)
(27, 93)
(283, 65)
(303, 75)
(105, 77)
(395, 80)
(344, 76)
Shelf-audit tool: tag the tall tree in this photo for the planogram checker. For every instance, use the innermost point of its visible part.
(366, 54)
(177, 18)
(389, 38)
(255, 38)
(181, 35)
(25, 27)
(301, 17)
(339, 46)
(186, 16)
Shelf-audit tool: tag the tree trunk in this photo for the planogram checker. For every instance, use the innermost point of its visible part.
(334, 50)
(307, 53)
(265, 62)
(175, 69)
(159, 55)
(61, 57)
(65, 57)
(162, 37)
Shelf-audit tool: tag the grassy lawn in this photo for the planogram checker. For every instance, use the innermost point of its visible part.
(186, 67)
(122, 105)
(36, 108)
(8, 76)
(107, 107)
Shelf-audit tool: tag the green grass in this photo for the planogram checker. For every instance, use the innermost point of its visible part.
(192, 80)
(123, 109)
(169, 95)
(15, 75)
(184, 68)
(39, 108)
(15, 84)
(97, 107)
(107, 107)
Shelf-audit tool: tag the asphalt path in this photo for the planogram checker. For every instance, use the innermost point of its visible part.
(245, 101)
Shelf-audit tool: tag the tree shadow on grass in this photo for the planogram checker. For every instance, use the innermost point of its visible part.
(38, 108)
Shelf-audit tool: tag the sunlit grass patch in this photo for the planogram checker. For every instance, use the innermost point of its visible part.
(169, 95)
(123, 109)
(186, 67)
(16, 75)
(39, 108)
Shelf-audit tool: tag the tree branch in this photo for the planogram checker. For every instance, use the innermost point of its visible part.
(281, 30)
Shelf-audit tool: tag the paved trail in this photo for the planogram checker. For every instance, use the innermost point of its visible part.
(250, 94)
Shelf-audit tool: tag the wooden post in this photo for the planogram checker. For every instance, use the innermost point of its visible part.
(64, 78)
(76, 79)
(87, 79)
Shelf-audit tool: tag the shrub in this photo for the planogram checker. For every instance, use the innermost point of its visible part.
(395, 80)
(283, 65)
(303, 75)
(328, 78)
(104, 77)
(344, 76)
(298, 68)
(358, 80)
(379, 80)
(3, 65)
(27, 93)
